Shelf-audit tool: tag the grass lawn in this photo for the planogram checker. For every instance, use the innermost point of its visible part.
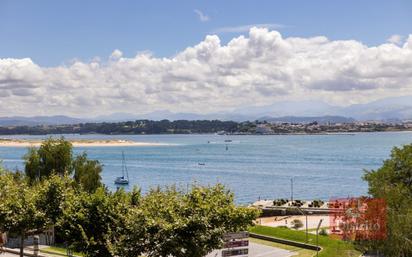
(58, 251)
(331, 247)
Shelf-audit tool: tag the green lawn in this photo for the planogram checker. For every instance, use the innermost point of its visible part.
(57, 251)
(331, 247)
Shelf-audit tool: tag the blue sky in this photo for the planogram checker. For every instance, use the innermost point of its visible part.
(55, 32)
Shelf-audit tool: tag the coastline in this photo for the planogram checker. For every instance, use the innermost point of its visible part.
(5, 142)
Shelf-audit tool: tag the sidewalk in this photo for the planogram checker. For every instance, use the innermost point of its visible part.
(28, 251)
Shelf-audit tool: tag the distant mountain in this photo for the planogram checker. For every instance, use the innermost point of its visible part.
(385, 109)
(395, 108)
(38, 120)
(319, 119)
(290, 108)
(168, 115)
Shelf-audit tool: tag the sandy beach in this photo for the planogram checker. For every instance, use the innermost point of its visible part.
(313, 221)
(5, 142)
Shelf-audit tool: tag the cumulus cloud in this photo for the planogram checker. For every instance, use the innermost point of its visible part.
(202, 17)
(116, 54)
(246, 28)
(395, 39)
(260, 68)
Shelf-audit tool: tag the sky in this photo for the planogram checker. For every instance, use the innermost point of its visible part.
(65, 57)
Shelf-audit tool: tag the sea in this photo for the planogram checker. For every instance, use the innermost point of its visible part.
(251, 166)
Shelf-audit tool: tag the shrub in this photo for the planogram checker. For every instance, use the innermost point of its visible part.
(323, 232)
(297, 224)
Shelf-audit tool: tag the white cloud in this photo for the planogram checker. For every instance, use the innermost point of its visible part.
(202, 17)
(260, 68)
(246, 28)
(395, 39)
(116, 54)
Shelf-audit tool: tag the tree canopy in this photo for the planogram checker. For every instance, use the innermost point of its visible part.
(393, 183)
(87, 173)
(55, 156)
(97, 222)
(165, 222)
(29, 209)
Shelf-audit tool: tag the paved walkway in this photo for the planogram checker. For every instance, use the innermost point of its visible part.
(8, 255)
(255, 250)
(258, 250)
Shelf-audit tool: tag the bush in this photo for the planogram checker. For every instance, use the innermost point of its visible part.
(297, 224)
(316, 203)
(323, 232)
(297, 203)
(280, 202)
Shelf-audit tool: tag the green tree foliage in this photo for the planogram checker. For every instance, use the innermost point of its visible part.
(393, 182)
(87, 173)
(53, 157)
(162, 223)
(54, 195)
(18, 211)
(191, 224)
(29, 209)
(92, 222)
(1, 195)
(130, 127)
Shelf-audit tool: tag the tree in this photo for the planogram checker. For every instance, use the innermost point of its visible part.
(29, 209)
(54, 195)
(191, 224)
(393, 183)
(1, 195)
(162, 223)
(53, 156)
(87, 173)
(18, 211)
(93, 222)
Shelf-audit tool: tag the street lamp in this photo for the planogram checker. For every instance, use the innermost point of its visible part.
(317, 238)
(306, 216)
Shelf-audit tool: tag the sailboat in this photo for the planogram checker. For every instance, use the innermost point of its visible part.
(123, 180)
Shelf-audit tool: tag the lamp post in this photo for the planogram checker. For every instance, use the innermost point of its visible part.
(317, 238)
(291, 190)
(306, 216)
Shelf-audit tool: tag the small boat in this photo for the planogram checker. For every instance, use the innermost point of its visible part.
(228, 140)
(123, 180)
(201, 164)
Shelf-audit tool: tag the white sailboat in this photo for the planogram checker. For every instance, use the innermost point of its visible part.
(124, 179)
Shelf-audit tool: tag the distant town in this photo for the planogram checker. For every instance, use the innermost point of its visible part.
(257, 127)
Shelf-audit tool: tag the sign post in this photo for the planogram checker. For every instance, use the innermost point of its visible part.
(236, 244)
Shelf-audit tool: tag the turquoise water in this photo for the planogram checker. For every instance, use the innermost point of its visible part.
(322, 166)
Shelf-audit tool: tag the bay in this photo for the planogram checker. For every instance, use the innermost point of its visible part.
(321, 166)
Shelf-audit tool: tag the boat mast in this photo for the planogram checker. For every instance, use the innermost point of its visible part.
(124, 168)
